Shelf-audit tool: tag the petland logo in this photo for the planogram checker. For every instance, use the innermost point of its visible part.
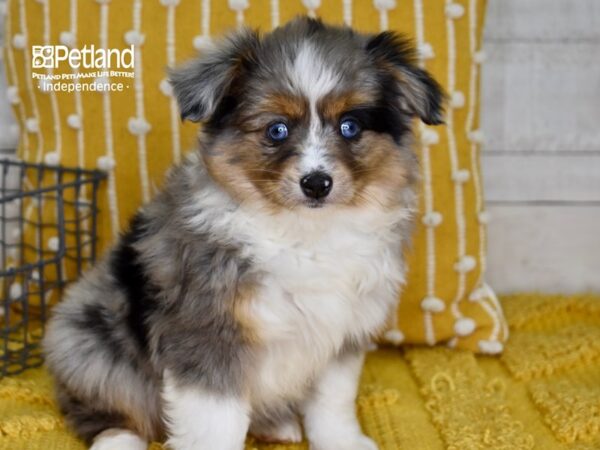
(91, 69)
(50, 57)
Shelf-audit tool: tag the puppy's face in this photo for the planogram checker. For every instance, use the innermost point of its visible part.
(310, 115)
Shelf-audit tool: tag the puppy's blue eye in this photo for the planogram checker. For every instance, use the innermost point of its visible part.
(349, 128)
(278, 131)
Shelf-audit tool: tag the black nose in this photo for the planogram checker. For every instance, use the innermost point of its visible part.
(316, 185)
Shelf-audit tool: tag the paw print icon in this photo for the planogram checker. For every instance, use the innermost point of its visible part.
(42, 56)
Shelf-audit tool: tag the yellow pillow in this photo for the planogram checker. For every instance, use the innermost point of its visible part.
(136, 134)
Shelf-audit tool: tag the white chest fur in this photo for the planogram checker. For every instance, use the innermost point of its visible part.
(326, 277)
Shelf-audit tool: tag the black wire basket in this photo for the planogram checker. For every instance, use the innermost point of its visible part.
(48, 221)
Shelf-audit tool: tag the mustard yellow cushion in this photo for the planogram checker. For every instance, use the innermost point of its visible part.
(136, 134)
(542, 393)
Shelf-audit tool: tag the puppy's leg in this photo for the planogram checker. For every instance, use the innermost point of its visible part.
(198, 419)
(329, 413)
(286, 431)
(118, 439)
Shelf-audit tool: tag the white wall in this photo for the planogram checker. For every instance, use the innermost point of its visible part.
(541, 161)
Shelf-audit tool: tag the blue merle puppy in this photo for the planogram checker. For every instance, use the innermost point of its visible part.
(242, 297)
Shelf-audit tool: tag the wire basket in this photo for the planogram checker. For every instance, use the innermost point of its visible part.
(48, 218)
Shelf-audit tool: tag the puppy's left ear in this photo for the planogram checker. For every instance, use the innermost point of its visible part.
(420, 94)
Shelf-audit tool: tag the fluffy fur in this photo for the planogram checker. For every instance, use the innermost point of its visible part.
(235, 301)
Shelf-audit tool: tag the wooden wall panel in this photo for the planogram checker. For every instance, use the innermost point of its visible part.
(537, 177)
(553, 248)
(540, 116)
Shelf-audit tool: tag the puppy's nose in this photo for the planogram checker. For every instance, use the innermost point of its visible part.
(316, 185)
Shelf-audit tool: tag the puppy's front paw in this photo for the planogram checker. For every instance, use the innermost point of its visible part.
(118, 439)
(288, 432)
(349, 442)
(366, 443)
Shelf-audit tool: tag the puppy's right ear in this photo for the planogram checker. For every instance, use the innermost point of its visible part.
(200, 85)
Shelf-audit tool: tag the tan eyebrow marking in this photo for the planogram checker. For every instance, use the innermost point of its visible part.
(271, 107)
(293, 106)
(333, 105)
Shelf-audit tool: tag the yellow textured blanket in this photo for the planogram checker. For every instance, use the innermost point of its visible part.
(542, 393)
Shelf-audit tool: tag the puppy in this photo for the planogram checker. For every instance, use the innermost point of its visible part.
(242, 297)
